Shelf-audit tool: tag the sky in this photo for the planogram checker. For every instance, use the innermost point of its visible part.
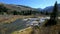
(32, 3)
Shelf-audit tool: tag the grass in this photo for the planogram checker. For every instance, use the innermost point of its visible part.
(23, 31)
(54, 29)
(11, 18)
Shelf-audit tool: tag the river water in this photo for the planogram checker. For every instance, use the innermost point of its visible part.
(14, 26)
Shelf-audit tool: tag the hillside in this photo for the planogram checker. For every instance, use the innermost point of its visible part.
(17, 9)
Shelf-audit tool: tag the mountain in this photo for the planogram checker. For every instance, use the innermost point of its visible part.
(17, 9)
(39, 9)
(49, 8)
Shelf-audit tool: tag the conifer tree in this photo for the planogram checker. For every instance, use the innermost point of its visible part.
(53, 16)
(55, 12)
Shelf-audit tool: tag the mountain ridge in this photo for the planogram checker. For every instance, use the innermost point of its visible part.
(50, 8)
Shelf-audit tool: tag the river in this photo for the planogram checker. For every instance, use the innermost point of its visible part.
(14, 26)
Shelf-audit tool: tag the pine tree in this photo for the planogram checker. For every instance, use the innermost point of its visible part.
(55, 12)
(53, 16)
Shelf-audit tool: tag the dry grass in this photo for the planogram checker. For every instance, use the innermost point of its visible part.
(11, 18)
(24, 31)
(55, 29)
(50, 30)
